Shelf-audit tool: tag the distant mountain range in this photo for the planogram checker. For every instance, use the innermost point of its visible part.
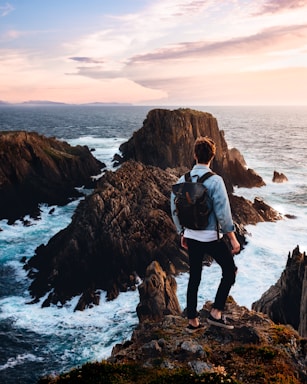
(47, 102)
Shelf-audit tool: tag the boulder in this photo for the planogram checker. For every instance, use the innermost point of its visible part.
(286, 301)
(35, 169)
(157, 295)
(167, 140)
(279, 177)
(246, 212)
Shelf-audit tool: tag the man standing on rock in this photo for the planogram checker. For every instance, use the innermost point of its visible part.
(209, 241)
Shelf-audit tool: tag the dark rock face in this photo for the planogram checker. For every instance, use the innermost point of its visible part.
(279, 177)
(157, 295)
(35, 169)
(286, 301)
(245, 212)
(167, 140)
(117, 231)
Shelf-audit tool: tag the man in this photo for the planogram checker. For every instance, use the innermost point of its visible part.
(208, 241)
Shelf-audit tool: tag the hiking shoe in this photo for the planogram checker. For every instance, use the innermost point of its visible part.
(219, 322)
(191, 328)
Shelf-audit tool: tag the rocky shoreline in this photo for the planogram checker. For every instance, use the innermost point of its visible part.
(161, 350)
(124, 226)
(35, 169)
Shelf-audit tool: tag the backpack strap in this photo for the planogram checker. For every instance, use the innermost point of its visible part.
(201, 179)
(205, 177)
(187, 177)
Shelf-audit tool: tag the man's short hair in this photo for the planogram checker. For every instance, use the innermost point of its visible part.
(204, 149)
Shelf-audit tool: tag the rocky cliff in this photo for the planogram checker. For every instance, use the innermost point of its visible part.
(35, 169)
(286, 301)
(255, 340)
(167, 140)
(161, 350)
(115, 233)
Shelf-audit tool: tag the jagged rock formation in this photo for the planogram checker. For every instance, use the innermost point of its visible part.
(35, 169)
(279, 177)
(163, 338)
(118, 230)
(157, 295)
(167, 140)
(286, 301)
(245, 212)
(255, 351)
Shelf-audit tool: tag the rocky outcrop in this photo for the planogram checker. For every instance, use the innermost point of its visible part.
(115, 232)
(286, 301)
(162, 350)
(163, 338)
(255, 351)
(157, 295)
(35, 169)
(279, 177)
(246, 212)
(167, 140)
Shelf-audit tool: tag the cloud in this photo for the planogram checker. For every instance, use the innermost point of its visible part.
(273, 6)
(202, 67)
(270, 39)
(87, 60)
(6, 9)
(168, 9)
(273, 87)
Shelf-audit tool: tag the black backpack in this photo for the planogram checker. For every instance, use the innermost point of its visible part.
(191, 201)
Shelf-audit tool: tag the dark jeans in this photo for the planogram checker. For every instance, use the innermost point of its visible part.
(223, 256)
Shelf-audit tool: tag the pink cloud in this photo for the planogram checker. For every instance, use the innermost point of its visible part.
(266, 40)
(273, 6)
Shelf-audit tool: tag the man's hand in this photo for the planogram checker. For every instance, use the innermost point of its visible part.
(183, 242)
(235, 245)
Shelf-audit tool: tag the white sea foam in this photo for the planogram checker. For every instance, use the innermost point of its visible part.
(89, 334)
(18, 360)
(104, 148)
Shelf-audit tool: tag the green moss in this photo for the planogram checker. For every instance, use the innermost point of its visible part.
(281, 334)
(260, 353)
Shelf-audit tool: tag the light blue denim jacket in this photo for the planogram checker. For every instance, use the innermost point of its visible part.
(219, 199)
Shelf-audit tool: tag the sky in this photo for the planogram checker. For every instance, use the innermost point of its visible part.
(154, 52)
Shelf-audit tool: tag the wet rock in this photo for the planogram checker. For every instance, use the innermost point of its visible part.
(35, 169)
(115, 233)
(157, 295)
(286, 301)
(279, 177)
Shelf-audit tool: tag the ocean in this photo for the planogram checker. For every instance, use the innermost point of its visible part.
(35, 342)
